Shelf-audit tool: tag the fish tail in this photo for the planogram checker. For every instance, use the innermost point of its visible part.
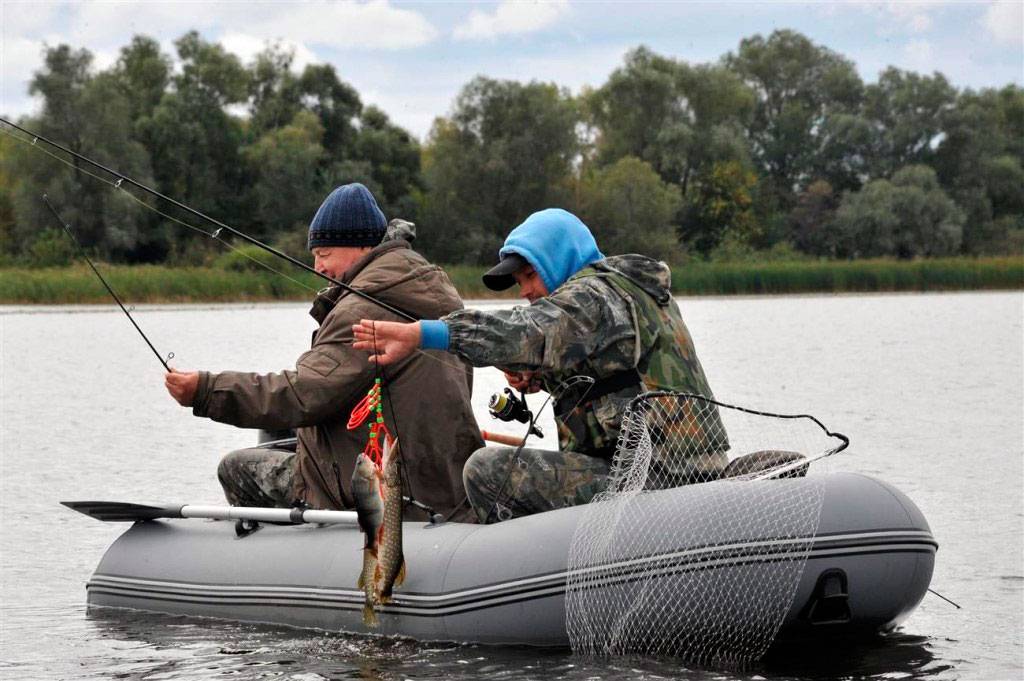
(370, 617)
(384, 595)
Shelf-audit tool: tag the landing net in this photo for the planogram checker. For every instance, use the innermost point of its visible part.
(708, 572)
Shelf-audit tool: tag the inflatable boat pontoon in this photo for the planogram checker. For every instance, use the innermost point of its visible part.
(868, 566)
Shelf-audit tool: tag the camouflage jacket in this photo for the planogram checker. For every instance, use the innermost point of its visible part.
(613, 317)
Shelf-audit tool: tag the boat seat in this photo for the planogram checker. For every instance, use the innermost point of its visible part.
(766, 459)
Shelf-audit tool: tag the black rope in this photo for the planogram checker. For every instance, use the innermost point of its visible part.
(672, 393)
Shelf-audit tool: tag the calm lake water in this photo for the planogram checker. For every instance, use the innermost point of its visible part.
(930, 389)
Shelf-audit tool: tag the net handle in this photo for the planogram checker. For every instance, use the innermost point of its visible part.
(844, 441)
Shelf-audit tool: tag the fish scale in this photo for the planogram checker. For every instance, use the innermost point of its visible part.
(390, 558)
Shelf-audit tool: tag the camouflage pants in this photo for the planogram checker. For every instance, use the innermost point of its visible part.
(501, 487)
(257, 477)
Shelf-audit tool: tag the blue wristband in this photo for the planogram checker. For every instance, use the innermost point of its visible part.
(433, 334)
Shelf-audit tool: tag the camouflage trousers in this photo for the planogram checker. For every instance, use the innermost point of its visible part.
(501, 486)
(258, 477)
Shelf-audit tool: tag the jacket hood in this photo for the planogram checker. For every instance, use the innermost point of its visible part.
(556, 243)
(653, 276)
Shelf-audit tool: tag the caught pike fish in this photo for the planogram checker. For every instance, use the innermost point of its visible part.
(366, 489)
(390, 559)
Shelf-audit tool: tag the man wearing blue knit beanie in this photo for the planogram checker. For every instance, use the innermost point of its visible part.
(351, 241)
(598, 332)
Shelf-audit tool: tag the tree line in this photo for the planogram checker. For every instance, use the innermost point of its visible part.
(778, 149)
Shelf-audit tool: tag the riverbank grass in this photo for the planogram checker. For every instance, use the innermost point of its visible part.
(158, 284)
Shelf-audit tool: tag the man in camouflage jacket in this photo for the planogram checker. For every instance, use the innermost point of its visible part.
(612, 320)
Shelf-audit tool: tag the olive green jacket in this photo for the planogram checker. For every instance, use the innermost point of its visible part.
(426, 397)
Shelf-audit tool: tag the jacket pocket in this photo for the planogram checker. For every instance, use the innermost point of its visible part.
(319, 363)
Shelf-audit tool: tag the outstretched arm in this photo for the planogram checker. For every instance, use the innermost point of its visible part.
(559, 331)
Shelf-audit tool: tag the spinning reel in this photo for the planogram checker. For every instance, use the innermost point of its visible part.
(505, 406)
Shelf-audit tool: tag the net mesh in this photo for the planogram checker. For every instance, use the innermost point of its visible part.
(706, 572)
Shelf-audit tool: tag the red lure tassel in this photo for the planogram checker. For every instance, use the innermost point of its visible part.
(367, 407)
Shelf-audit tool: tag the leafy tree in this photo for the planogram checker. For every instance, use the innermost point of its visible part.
(908, 216)
(275, 95)
(52, 248)
(393, 156)
(92, 117)
(284, 161)
(8, 183)
(799, 87)
(720, 204)
(143, 74)
(630, 209)
(979, 162)
(336, 104)
(811, 219)
(906, 112)
(505, 152)
(675, 116)
(194, 143)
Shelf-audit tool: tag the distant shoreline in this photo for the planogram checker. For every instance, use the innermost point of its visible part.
(160, 284)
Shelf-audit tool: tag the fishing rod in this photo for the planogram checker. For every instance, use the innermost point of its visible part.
(220, 225)
(105, 284)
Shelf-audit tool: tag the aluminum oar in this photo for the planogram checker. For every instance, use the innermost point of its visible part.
(122, 511)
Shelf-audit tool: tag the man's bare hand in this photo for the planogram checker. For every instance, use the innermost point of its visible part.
(182, 385)
(523, 381)
(387, 342)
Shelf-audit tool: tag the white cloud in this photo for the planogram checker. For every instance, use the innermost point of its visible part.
(248, 46)
(1005, 22)
(914, 16)
(919, 55)
(510, 18)
(346, 25)
(19, 58)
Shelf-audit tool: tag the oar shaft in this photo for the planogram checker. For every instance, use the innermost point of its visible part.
(269, 515)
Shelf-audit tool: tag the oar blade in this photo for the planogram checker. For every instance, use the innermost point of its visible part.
(122, 511)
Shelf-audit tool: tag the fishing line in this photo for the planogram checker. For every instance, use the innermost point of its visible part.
(136, 199)
(494, 512)
(945, 599)
(221, 226)
(213, 235)
(106, 285)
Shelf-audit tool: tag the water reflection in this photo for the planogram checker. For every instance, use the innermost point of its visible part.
(151, 645)
(901, 656)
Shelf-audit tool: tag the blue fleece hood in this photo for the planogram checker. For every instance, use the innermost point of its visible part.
(556, 243)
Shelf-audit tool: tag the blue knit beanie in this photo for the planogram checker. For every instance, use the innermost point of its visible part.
(349, 216)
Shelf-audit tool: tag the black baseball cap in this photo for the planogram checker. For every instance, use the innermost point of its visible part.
(499, 277)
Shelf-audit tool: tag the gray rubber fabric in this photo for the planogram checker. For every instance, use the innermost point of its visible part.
(506, 582)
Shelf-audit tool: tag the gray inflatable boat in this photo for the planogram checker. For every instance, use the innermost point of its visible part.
(867, 566)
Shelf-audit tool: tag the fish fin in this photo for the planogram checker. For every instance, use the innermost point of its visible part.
(370, 617)
(400, 577)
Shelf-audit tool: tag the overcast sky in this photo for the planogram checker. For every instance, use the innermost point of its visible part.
(411, 58)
